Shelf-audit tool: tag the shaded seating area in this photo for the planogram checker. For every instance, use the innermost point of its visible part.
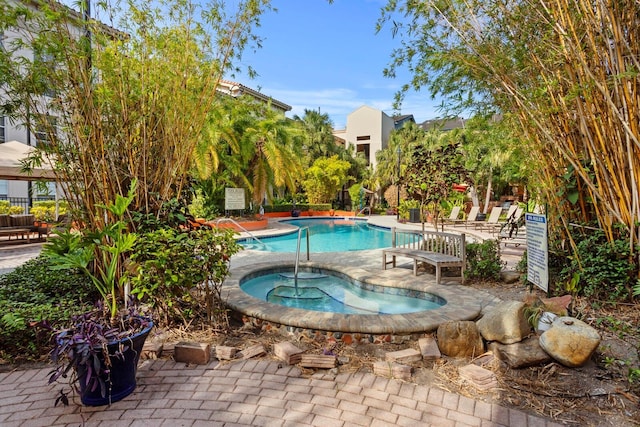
(19, 226)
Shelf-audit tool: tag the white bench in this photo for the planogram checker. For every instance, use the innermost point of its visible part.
(432, 247)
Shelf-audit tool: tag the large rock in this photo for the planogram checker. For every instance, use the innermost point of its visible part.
(506, 323)
(570, 341)
(521, 354)
(460, 339)
(557, 305)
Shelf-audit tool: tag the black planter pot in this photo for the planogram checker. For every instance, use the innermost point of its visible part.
(122, 379)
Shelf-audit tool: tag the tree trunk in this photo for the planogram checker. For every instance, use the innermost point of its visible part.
(487, 197)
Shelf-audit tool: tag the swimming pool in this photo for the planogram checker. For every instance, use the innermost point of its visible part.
(336, 293)
(326, 235)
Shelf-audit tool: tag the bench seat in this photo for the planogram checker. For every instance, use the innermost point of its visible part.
(434, 248)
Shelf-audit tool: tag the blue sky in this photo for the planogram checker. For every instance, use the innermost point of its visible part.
(317, 55)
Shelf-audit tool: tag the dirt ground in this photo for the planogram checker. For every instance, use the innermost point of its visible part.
(602, 393)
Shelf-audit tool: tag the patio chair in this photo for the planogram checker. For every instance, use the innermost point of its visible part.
(492, 222)
(471, 217)
(510, 228)
(453, 216)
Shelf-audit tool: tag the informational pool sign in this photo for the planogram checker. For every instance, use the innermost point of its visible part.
(537, 250)
(234, 199)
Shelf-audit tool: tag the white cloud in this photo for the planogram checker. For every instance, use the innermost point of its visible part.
(339, 102)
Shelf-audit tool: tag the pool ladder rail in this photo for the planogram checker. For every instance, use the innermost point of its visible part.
(366, 208)
(295, 270)
(234, 222)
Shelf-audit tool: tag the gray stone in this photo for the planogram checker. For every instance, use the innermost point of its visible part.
(570, 341)
(460, 339)
(506, 323)
(521, 354)
(509, 276)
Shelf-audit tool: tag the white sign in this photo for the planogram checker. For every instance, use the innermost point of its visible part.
(537, 251)
(234, 199)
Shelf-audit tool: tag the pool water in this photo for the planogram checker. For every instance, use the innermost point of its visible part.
(326, 235)
(330, 293)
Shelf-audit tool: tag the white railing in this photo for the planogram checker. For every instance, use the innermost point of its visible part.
(295, 270)
(234, 222)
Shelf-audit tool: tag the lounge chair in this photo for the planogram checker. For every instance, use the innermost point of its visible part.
(512, 210)
(492, 222)
(510, 228)
(471, 217)
(453, 216)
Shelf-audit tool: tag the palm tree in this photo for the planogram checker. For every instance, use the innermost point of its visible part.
(275, 160)
(400, 140)
(318, 140)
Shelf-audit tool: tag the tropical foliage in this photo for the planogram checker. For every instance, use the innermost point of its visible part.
(324, 178)
(566, 71)
(435, 165)
(120, 106)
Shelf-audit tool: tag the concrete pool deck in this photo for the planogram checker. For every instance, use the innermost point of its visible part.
(460, 303)
(366, 265)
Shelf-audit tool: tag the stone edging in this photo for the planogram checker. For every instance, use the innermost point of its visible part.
(461, 303)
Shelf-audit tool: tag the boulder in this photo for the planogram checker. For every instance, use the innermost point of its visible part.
(506, 323)
(509, 276)
(570, 341)
(460, 339)
(557, 305)
(521, 354)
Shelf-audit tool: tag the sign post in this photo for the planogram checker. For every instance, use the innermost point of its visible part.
(537, 251)
(234, 199)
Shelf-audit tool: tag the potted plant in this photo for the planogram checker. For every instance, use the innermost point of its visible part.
(102, 347)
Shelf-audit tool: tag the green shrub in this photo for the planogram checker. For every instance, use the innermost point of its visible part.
(601, 269)
(32, 293)
(6, 208)
(180, 273)
(483, 260)
(404, 207)
(46, 210)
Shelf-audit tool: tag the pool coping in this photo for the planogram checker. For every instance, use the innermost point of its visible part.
(461, 304)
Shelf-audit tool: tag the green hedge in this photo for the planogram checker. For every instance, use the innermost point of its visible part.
(32, 293)
(303, 207)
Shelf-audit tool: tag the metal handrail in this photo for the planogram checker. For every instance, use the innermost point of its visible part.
(219, 220)
(295, 270)
(366, 208)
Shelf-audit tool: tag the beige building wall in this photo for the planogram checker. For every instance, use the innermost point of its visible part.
(368, 130)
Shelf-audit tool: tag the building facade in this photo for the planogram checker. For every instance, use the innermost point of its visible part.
(368, 130)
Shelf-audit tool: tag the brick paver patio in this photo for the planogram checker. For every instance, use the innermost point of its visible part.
(251, 393)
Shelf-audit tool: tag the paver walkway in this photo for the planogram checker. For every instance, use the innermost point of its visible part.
(252, 393)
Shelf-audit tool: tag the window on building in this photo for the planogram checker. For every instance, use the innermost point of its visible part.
(46, 125)
(4, 189)
(47, 63)
(46, 190)
(3, 133)
(363, 138)
(364, 150)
